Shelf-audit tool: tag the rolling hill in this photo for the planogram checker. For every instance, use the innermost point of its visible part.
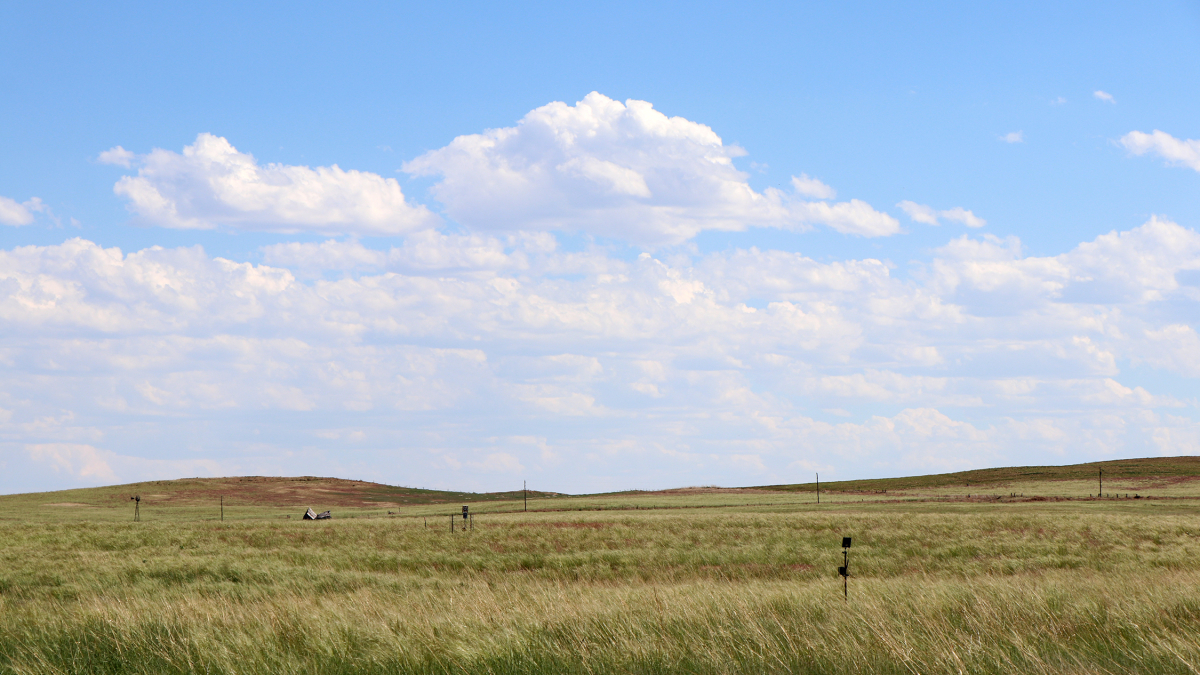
(293, 493)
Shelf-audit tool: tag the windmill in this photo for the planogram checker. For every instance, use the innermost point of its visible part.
(137, 508)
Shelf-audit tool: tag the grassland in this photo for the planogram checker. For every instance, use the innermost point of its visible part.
(693, 581)
(242, 498)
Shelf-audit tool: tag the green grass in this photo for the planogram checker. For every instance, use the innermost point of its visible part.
(1036, 587)
(695, 581)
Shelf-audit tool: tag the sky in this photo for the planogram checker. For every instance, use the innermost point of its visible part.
(595, 247)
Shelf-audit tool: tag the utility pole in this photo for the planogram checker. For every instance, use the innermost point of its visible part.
(525, 491)
(818, 488)
(1101, 495)
(222, 508)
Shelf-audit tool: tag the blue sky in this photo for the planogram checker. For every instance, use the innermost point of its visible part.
(865, 239)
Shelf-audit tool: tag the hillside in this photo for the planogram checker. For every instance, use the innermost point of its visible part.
(1149, 471)
(296, 492)
(260, 496)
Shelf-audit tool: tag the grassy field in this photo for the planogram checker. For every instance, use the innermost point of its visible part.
(689, 581)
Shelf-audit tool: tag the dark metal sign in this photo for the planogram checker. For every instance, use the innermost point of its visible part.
(844, 570)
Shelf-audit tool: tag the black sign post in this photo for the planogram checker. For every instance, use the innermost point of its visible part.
(844, 571)
(468, 520)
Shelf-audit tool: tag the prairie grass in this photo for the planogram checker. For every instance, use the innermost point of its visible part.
(1088, 587)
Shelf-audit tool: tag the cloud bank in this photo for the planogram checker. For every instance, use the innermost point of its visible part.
(459, 359)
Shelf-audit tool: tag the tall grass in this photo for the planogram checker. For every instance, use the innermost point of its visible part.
(1007, 590)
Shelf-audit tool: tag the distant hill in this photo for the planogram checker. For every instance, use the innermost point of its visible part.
(301, 492)
(1117, 469)
(264, 491)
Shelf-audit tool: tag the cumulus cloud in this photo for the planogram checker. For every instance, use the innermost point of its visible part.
(920, 213)
(17, 213)
(117, 156)
(211, 184)
(646, 371)
(1103, 96)
(811, 187)
(1176, 151)
(1014, 137)
(622, 170)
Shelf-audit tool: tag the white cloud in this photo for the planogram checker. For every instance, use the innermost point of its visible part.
(17, 213)
(1103, 96)
(960, 215)
(852, 217)
(212, 184)
(1175, 151)
(498, 462)
(117, 156)
(453, 346)
(312, 259)
(920, 213)
(811, 187)
(621, 170)
(85, 464)
(1175, 347)
(74, 459)
(1058, 100)
(423, 251)
(1014, 137)
(432, 250)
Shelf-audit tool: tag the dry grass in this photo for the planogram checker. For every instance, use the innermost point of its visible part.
(1072, 587)
(1051, 623)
